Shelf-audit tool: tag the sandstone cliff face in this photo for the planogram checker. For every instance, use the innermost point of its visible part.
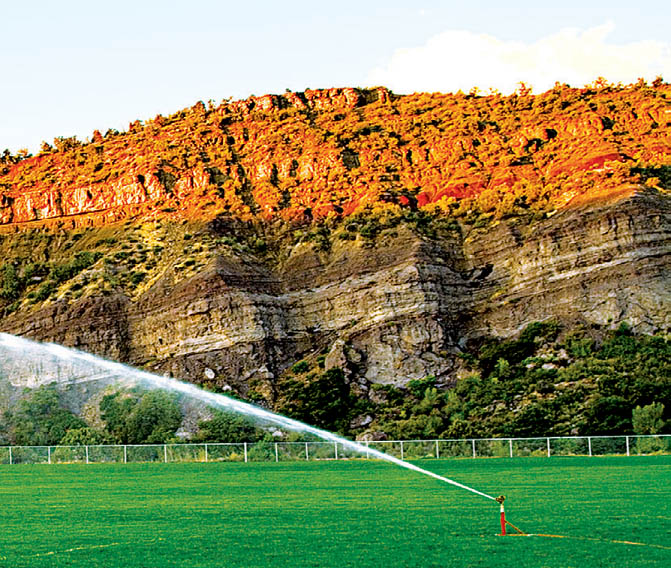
(599, 264)
(388, 314)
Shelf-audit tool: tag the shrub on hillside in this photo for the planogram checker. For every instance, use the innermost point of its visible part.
(40, 419)
(648, 419)
(68, 270)
(323, 400)
(227, 427)
(136, 417)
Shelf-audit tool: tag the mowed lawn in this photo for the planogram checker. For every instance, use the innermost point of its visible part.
(346, 513)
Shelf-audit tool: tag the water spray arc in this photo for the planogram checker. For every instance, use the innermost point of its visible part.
(16, 351)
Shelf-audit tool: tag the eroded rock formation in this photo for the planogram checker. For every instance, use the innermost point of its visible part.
(397, 311)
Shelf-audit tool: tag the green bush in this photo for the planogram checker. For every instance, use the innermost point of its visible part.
(136, 417)
(418, 386)
(82, 437)
(137, 277)
(648, 419)
(227, 427)
(300, 367)
(44, 291)
(81, 261)
(39, 419)
(325, 401)
(515, 351)
(10, 284)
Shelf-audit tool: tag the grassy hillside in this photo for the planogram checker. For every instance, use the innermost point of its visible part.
(540, 384)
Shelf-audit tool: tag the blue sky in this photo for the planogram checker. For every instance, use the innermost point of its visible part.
(71, 66)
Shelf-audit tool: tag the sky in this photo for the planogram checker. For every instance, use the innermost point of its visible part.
(72, 66)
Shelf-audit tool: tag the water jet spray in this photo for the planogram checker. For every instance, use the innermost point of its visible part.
(71, 366)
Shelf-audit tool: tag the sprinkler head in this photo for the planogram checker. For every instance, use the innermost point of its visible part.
(500, 499)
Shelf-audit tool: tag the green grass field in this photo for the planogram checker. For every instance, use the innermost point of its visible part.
(347, 513)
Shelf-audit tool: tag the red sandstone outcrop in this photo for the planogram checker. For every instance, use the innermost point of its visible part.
(278, 155)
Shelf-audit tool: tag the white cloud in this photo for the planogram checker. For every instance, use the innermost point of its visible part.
(458, 59)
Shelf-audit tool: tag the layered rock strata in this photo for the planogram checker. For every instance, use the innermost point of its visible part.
(399, 311)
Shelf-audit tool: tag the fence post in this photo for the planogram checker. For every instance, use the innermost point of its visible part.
(277, 457)
(335, 444)
(548, 440)
(307, 453)
(245, 445)
(473, 444)
(87, 454)
(402, 455)
(10, 455)
(165, 453)
(49, 454)
(125, 454)
(510, 446)
(589, 445)
(437, 451)
(627, 441)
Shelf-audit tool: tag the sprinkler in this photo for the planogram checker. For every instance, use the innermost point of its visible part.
(500, 499)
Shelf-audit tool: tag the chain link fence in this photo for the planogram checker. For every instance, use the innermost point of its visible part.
(301, 451)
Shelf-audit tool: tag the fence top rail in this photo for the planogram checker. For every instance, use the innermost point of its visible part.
(469, 440)
(506, 439)
(362, 442)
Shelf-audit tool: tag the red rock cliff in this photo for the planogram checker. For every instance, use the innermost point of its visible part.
(335, 151)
